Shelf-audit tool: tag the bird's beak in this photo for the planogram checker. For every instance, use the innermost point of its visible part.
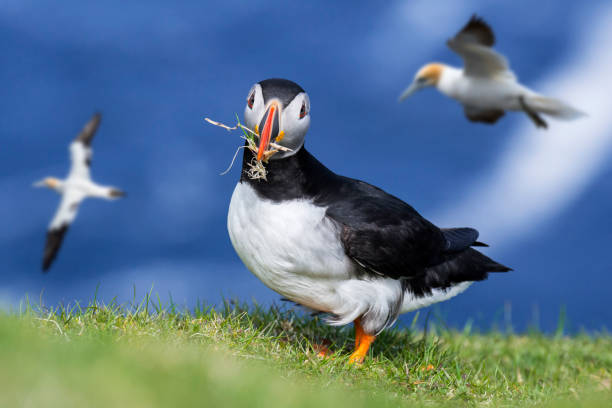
(40, 183)
(270, 128)
(415, 86)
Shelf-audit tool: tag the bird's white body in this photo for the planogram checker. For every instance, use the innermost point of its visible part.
(87, 187)
(295, 250)
(497, 92)
(77, 186)
(83, 186)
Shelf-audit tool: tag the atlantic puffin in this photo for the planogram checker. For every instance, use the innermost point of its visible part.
(74, 189)
(335, 244)
(485, 86)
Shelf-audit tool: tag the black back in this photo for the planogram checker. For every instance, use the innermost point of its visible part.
(380, 232)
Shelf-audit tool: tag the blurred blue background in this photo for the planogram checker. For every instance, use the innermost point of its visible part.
(541, 199)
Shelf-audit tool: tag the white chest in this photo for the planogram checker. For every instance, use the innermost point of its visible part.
(498, 93)
(86, 187)
(291, 246)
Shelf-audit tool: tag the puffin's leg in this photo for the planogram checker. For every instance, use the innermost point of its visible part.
(362, 343)
(533, 115)
(358, 333)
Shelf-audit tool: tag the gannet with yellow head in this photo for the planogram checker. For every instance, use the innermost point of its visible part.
(74, 189)
(485, 86)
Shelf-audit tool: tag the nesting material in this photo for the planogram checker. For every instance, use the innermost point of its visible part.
(257, 169)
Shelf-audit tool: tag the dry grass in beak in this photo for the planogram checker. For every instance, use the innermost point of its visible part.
(257, 170)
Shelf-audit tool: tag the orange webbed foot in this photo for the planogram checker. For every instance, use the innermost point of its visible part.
(362, 344)
(322, 349)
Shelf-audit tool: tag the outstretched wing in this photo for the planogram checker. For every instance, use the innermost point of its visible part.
(473, 44)
(89, 130)
(388, 237)
(80, 149)
(476, 31)
(65, 214)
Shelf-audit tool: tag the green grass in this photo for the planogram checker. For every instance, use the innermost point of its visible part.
(145, 356)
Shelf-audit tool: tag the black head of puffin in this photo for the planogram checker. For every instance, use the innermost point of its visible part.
(278, 110)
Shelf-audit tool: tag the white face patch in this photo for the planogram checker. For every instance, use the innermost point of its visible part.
(254, 112)
(294, 119)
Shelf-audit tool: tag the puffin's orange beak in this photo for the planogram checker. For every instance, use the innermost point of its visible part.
(269, 125)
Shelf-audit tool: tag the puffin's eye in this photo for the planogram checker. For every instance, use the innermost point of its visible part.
(251, 100)
(303, 110)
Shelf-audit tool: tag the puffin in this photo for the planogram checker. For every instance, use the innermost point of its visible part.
(74, 189)
(334, 244)
(486, 86)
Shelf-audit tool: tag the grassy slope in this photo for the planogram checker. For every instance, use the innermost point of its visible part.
(112, 356)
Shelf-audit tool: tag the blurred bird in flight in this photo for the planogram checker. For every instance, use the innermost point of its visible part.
(74, 189)
(485, 86)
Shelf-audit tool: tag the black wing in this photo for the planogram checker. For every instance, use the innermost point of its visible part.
(89, 130)
(388, 237)
(476, 31)
(473, 44)
(55, 237)
(65, 214)
(378, 231)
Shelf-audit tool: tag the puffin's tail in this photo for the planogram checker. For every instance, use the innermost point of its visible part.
(553, 107)
(460, 261)
(466, 266)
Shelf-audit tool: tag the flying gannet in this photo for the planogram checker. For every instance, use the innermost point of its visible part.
(74, 189)
(485, 86)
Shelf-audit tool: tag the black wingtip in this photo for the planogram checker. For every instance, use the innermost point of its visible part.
(96, 118)
(480, 244)
(479, 21)
(53, 243)
(475, 18)
(47, 262)
(116, 193)
(500, 268)
(481, 29)
(89, 130)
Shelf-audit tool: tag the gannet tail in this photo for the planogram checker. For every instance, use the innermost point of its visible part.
(553, 107)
